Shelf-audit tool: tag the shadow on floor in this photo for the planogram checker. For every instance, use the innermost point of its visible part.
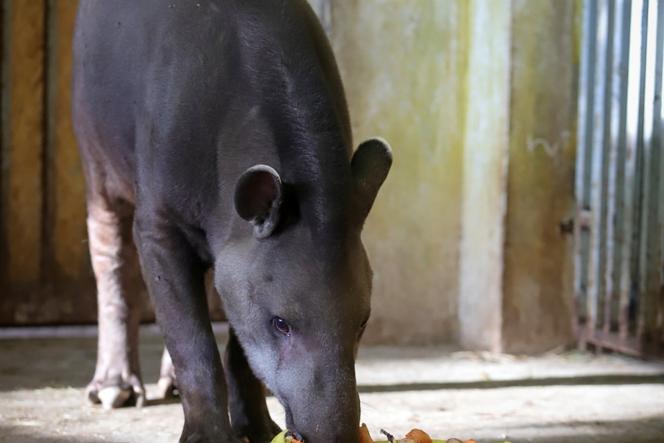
(15, 434)
(57, 363)
(590, 380)
(642, 430)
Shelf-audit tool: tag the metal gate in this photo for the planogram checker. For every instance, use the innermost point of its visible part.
(619, 257)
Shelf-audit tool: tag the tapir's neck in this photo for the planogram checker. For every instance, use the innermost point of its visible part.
(289, 112)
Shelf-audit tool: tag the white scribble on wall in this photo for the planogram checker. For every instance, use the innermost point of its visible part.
(552, 148)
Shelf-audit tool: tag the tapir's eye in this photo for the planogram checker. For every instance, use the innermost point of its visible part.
(281, 325)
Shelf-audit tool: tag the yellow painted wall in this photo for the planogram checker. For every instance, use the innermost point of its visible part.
(485, 168)
(404, 66)
(537, 306)
(465, 239)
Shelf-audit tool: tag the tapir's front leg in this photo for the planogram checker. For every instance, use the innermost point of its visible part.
(246, 396)
(174, 276)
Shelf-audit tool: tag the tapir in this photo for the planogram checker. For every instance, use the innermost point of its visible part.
(217, 132)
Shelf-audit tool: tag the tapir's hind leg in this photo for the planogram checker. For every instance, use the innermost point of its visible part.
(117, 380)
(166, 385)
(246, 396)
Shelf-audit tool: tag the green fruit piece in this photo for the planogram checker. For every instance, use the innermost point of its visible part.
(283, 437)
(280, 437)
(405, 440)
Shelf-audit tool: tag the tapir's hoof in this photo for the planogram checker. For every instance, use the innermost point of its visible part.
(112, 395)
(166, 388)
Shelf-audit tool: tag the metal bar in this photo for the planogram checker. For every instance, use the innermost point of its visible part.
(585, 218)
(626, 345)
(583, 157)
(585, 103)
(656, 270)
(635, 302)
(616, 161)
(660, 201)
(606, 242)
(631, 155)
(598, 168)
(648, 305)
(650, 270)
(615, 104)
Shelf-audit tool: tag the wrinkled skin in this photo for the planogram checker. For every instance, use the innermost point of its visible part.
(219, 131)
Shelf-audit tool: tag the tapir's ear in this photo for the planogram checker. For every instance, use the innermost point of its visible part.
(258, 196)
(370, 165)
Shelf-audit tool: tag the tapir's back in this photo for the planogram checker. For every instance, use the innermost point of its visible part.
(186, 76)
(139, 75)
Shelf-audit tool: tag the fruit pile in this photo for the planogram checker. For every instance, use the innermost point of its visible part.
(414, 436)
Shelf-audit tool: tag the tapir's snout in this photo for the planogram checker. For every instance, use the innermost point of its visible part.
(328, 411)
(328, 421)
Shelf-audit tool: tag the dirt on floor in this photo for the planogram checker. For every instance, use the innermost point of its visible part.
(560, 397)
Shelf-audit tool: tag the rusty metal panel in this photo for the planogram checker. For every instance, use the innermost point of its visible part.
(583, 158)
(616, 162)
(632, 143)
(621, 199)
(659, 116)
(649, 263)
(598, 175)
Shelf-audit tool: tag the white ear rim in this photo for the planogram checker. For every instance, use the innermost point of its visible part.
(263, 226)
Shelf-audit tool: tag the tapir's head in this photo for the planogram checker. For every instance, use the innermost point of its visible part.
(297, 291)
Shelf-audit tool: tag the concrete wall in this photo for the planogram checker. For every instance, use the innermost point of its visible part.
(538, 278)
(486, 136)
(404, 72)
(477, 99)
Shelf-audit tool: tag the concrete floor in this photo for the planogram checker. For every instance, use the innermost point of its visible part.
(564, 397)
